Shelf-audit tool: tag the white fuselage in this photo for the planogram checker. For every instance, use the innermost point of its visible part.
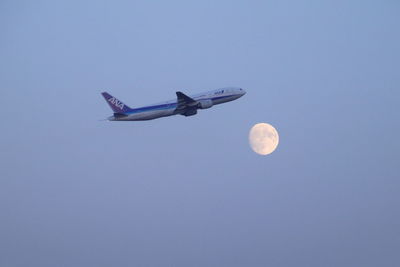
(169, 108)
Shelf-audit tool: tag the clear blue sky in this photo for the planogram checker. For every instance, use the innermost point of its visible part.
(76, 191)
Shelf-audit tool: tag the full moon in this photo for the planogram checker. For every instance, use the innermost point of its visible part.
(263, 138)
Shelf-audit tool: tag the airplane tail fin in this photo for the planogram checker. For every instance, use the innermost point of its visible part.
(116, 105)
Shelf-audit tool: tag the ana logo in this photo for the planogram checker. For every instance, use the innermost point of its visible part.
(116, 102)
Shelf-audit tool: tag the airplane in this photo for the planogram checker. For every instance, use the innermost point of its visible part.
(183, 105)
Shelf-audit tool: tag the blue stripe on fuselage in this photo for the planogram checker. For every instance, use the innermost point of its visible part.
(166, 106)
(151, 108)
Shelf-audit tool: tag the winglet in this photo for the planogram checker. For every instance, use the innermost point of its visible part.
(116, 105)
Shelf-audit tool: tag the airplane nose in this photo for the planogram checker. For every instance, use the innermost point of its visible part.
(242, 91)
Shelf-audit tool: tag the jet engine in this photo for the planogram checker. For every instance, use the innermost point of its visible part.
(203, 104)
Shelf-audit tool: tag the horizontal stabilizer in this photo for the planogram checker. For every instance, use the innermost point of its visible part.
(119, 115)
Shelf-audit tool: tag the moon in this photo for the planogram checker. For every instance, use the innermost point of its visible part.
(263, 138)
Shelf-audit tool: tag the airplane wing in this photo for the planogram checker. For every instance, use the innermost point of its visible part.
(185, 100)
(186, 104)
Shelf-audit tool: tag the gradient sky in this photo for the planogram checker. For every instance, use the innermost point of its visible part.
(177, 191)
